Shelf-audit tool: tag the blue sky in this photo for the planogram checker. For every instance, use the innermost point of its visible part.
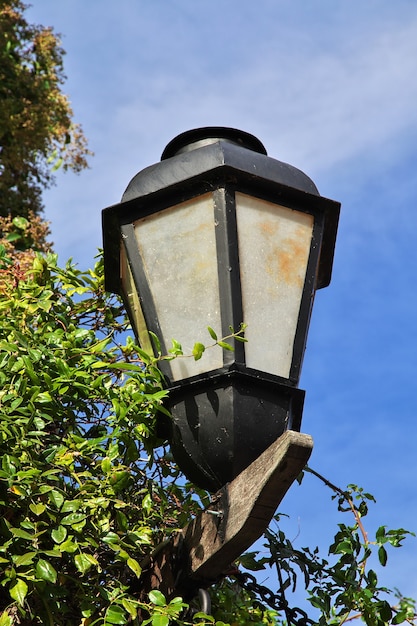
(330, 87)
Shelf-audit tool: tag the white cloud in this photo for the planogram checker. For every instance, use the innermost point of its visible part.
(332, 107)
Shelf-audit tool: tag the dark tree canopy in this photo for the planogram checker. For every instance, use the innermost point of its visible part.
(37, 132)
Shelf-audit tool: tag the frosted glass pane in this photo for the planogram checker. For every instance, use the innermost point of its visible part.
(134, 304)
(274, 246)
(178, 248)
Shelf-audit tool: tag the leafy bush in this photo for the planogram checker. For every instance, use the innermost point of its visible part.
(82, 494)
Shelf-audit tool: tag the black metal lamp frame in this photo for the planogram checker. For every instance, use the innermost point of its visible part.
(225, 418)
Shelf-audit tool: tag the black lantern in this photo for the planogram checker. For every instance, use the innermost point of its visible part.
(215, 235)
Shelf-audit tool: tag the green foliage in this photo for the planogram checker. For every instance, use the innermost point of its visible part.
(199, 348)
(83, 496)
(237, 606)
(22, 237)
(344, 585)
(37, 134)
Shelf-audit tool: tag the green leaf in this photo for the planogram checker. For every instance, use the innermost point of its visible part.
(20, 222)
(59, 534)
(225, 346)
(131, 607)
(399, 618)
(58, 163)
(83, 562)
(198, 350)
(115, 615)
(213, 335)
(99, 347)
(56, 498)
(56, 554)
(134, 566)
(344, 547)
(382, 556)
(19, 591)
(37, 509)
(44, 397)
(13, 237)
(113, 451)
(176, 348)
(111, 537)
(25, 559)
(160, 620)
(22, 534)
(157, 598)
(73, 518)
(45, 571)
(5, 619)
(385, 611)
(372, 578)
(207, 618)
(147, 503)
(248, 561)
(119, 480)
(69, 546)
(156, 342)
(317, 602)
(106, 465)
(380, 533)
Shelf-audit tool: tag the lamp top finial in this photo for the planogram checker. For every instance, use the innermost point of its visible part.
(199, 137)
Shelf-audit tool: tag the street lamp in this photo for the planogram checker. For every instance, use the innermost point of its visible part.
(215, 235)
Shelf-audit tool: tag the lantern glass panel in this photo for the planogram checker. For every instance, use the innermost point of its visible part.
(178, 250)
(274, 247)
(133, 303)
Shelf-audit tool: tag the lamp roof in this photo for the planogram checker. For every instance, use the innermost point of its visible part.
(203, 150)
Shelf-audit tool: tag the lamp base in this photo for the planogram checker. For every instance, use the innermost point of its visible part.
(222, 423)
